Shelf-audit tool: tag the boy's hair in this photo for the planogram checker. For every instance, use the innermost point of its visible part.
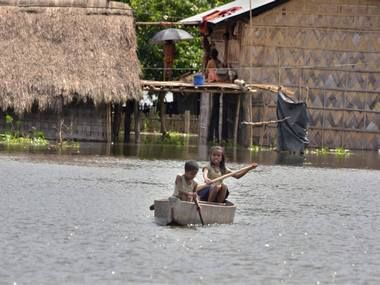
(191, 165)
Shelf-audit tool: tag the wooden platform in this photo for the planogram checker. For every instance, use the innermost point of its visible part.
(179, 86)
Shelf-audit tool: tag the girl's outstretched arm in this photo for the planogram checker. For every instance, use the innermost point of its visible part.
(244, 171)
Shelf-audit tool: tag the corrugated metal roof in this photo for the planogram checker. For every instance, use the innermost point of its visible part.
(243, 6)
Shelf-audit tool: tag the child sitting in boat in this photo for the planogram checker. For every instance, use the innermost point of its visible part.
(185, 187)
(218, 191)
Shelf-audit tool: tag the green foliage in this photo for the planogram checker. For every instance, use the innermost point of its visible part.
(10, 139)
(68, 145)
(322, 151)
(188, 53)
(255, 148)
(339, 151)
(170, 138)
(8, 119)
(13, 136)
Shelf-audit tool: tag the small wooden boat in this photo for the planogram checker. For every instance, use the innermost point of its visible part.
(175, 211)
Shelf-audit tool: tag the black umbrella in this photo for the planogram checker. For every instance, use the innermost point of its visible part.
(170, 35)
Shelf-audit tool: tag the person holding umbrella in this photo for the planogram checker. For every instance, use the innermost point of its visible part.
(168, 37)
(169, 54)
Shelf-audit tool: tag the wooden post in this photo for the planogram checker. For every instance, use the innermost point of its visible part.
(127, 121)
(116, 121)
(247, 116)
(204, 118)
(263, 128)
(161, 97)
(220, 120)
(187, 121)
(323, 117)
(60, 119)
(108, 122)
(136, 114)
(237, 116)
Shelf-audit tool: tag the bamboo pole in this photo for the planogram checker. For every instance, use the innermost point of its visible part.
(204, 118)
(220, 121)
(108, 122)
(161, 99)
(237, 115)
(187, 122)
(264, 122)
(136, 115)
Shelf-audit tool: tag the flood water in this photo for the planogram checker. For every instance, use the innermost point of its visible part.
(82, 217)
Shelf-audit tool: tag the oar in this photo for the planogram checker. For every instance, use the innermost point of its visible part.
(198, 207)
(251, 166)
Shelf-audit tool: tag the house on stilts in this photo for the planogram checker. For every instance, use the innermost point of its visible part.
(326, 52)
(64, 64)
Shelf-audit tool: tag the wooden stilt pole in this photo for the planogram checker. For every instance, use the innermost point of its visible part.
(127, 121)
(162, 113)
(247, 116)
(220, 121)
(237, 115)
(136, 115)
(204, 118)
(108, 123)
(187, 122)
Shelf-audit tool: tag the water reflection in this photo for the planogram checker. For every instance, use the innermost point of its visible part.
(356, 159)
(82, 217)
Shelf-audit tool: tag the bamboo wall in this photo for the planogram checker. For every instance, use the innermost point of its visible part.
(328, 52)
(174, 123)
(81, 122)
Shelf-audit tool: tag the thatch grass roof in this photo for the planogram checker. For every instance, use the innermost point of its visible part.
(66, 49)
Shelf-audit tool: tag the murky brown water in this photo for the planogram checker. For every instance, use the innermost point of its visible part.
(83, 218)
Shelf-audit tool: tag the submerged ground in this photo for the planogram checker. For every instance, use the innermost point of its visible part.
(82, 217)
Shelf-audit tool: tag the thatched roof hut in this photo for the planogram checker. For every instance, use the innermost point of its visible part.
(66, 49)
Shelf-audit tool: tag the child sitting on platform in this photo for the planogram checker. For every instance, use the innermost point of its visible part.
(186, 188)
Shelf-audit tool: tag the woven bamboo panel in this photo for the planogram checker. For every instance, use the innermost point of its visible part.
(353, 100)
(313, 38)
(290, 56)
(264, 75)
(372, 122)
(374, 82)
(260, 55)
(266, 136)
(373, 102)
(332, 119)
(290, 77)
(353, 120)
(356, 140)
(332, 99)
(328, 51)
(316, 118)
(299, 18)
(234, 51)
(81, 122)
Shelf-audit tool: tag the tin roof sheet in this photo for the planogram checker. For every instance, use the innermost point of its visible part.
(242, 6)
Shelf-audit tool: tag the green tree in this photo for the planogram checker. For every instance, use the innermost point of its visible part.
(188, 53)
